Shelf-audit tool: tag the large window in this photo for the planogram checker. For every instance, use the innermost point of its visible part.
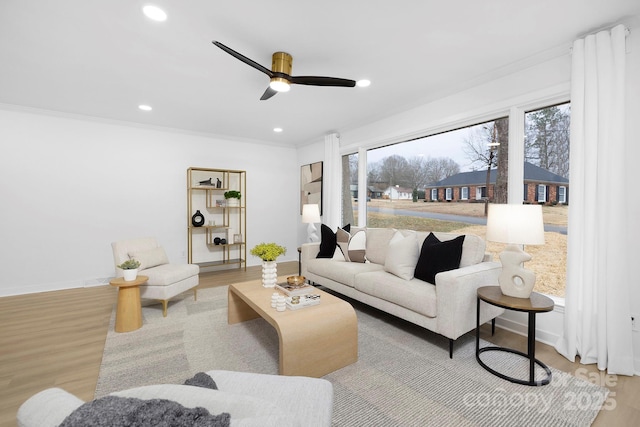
(458, 173)
(546, 182)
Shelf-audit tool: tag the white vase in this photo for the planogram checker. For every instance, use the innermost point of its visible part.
(269, 274)
(130, 275)
(233, 202)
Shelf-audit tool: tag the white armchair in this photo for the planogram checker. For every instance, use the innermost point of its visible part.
(166, 280)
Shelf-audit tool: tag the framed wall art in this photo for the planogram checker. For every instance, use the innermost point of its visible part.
(311, 185)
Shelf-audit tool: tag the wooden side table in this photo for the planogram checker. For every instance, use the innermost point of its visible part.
(129, 309)
(536, 303)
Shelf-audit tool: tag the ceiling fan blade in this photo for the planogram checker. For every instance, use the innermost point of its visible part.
(268, 93)
(244, 59)
(322, 81)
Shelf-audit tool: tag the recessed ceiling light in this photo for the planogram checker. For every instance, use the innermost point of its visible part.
(278, 130)
(144, 107)
(154, 13)
(363, 83)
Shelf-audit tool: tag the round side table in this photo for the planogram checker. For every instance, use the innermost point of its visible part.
(129, 309)
(536, 303)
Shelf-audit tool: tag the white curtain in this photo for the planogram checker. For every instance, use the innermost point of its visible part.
(597, 321)
(331, 186)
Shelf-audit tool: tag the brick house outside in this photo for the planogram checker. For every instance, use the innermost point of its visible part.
(540, 186)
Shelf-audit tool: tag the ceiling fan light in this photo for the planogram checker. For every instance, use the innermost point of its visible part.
(279, 84)
(154, 13)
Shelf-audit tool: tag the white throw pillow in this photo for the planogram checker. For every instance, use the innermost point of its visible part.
(150, 258)
(402, 255)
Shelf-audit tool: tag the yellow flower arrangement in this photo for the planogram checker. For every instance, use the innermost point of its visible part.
(268, 251)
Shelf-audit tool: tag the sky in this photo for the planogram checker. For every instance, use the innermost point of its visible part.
(448, 144)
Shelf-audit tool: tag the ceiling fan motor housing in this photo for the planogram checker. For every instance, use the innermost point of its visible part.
(281, 62)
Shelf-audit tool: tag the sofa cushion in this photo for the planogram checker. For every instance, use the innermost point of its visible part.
(327, 242)
(168, 274)
(436, 257)
(473, 248)
(378, 243)
(150, 257)
(352, 246)
(402, 255)
(414, 294)
(340, 271)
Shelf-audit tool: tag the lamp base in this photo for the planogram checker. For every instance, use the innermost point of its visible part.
(312, 232)
(515, 280)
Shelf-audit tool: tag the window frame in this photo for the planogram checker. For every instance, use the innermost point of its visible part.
(542, 199)
(562, 189)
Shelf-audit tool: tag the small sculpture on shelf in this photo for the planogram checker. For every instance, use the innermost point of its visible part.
(197, 219)
(206, 182)
(218, 183)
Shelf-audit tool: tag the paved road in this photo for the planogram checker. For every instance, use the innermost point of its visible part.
(453, 218)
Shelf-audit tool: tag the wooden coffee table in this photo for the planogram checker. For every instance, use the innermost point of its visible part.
(313, 341)
(129, 310)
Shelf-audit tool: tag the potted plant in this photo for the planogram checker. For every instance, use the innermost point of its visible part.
(130, 269)
(232, 197)
(268, 252)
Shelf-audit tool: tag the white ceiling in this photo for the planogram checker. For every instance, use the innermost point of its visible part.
(104, 58)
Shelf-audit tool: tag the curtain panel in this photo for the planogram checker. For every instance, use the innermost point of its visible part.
(597, 320)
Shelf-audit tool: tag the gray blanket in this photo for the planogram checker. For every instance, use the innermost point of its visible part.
(114, 411)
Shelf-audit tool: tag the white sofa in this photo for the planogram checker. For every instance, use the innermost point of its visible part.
(446, 307)
(252, 400)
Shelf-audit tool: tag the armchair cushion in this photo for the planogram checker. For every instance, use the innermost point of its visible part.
(150, 257)
(168, 274)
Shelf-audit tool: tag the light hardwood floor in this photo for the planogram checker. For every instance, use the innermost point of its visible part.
(56, 339)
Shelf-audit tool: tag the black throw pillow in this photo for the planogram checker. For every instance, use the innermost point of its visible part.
(436, 257)
(328, 241)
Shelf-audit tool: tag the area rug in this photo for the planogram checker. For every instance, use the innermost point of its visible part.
(403, 377)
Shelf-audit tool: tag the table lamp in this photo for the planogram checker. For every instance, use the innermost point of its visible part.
(515, 225)
(311, 215)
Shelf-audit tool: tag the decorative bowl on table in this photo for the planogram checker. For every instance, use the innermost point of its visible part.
(296, 280)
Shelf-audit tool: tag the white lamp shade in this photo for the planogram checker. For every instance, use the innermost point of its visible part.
(310, 213)
(515, 224)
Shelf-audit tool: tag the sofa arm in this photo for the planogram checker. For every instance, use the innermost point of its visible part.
(457, 295)
(308, 251)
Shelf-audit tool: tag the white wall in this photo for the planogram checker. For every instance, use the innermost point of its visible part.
(70, 186)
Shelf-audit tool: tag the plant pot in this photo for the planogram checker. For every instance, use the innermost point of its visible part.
(130, 275)
(233, 202)
(269, 274)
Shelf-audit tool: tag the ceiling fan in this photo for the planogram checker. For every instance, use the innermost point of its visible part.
(280, 73)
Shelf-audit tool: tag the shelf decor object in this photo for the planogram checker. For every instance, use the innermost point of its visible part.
(311, 216)
(197, 219)
(515, 225)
